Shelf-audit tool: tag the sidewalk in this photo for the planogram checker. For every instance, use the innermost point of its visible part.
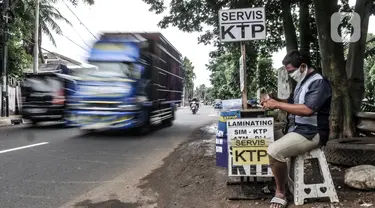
(190, 178)
(11, 120)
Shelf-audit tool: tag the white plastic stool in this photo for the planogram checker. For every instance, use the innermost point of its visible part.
(302, 191)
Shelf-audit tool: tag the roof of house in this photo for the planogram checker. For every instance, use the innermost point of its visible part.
(53, 61)
(53, 57)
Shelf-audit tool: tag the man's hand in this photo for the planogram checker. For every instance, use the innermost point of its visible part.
(264, 98)
(270, 104)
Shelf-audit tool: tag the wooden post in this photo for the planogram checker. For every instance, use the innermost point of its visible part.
(244, 91)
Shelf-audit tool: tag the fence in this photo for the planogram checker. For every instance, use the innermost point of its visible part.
(14, 94)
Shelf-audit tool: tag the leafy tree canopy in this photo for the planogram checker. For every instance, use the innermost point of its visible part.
(189, 77)
(21, 38)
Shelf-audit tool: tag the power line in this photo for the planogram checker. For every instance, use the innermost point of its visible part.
(32, 42)
(75, 43)
(43, 48)
(79, 20)
(81, 37)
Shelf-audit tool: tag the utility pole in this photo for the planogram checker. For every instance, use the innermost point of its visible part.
(36, 38)
(258, 84)
(4, 72)
(183, 96)
(205, 92)
(243, 75)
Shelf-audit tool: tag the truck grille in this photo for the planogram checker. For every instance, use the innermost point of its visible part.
(100, 105)
(88, 119)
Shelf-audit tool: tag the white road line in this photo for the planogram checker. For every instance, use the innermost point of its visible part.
(23, 147)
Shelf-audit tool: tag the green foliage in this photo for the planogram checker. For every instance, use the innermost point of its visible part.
(267, 77)
(286, 21)
(48, 17)
(224, 76)
(210, 97)
(200, 92)
(369, 68)
(195, 15)
(76, 2)
(18, 59)
(21, 39)
(224, 67)
(189, 77)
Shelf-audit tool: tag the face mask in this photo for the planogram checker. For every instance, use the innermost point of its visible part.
(297, 75)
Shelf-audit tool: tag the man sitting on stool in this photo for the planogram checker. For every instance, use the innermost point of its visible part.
(308, 108)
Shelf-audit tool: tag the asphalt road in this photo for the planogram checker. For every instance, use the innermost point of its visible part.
(50, 166)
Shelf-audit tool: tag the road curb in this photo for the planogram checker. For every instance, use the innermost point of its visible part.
(11, 120)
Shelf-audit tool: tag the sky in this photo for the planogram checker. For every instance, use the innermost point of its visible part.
(124, 16)
(121, 15)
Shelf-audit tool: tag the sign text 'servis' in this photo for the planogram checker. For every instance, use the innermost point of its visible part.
(242, 24)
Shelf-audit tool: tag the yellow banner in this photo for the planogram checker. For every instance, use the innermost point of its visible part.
(249, 151)
(238, 142)
(225, 118)
(110, 46)
(250, 156)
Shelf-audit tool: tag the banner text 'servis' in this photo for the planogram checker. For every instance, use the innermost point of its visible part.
(241, 15)
(251, 143)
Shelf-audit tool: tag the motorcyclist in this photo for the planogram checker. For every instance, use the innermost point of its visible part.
(196, 102)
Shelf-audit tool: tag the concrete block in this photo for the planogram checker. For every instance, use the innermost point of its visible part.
(11, 120)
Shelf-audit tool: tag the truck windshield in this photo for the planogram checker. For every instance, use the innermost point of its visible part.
(113, 69)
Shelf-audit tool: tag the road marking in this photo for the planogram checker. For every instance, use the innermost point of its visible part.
(23, 147)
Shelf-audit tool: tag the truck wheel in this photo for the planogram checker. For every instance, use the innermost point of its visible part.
(351, 152)
(169, 122)
(144, 129)
(87, 131)
(34, 123)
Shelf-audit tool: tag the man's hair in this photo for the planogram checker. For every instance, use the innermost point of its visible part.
(296, 58)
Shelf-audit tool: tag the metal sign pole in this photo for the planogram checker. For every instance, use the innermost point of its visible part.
(234, 27)
(4, 71)
(244, 90)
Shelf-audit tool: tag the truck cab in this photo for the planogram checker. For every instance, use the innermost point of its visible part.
(125, 91)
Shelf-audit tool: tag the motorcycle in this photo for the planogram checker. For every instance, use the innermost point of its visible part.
(194, 107)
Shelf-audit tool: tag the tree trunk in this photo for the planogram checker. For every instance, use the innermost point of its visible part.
(304, 27)
(355, 60)
(289, 29)
(28, 45)
(40, 45)
(333, 64)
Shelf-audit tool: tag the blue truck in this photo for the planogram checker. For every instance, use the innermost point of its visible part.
(137, 83)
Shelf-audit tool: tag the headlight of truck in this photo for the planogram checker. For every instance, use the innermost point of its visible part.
(130, 107)
(117, 90)
(141, 99)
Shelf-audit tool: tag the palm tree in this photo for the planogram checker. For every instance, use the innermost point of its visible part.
(47, 23)
(49, 16)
